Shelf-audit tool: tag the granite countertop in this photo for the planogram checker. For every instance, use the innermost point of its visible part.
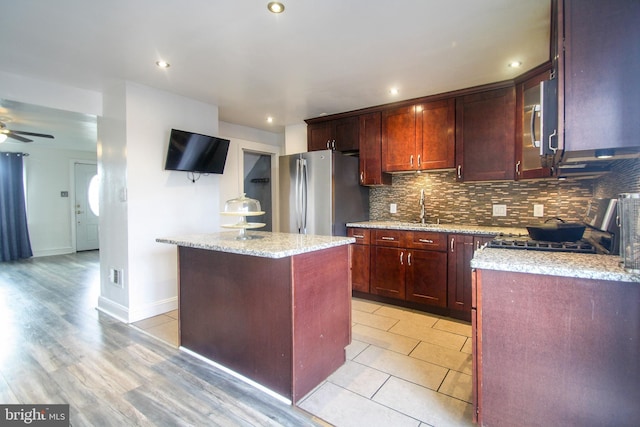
(262, 243)
(440, 228)
(587, 266)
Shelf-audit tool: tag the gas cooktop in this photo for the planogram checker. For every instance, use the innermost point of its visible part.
(525, 242)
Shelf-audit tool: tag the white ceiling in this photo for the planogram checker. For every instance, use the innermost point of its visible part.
(318, 57)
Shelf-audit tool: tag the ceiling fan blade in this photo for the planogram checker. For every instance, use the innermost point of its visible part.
(41, 135)
(18, 137)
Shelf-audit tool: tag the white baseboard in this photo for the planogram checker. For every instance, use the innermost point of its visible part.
(50, 252)
(113, 309)
(153, 309)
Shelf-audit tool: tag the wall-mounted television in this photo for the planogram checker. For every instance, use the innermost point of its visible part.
(194, 152)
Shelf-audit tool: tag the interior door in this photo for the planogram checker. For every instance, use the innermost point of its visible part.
(86, 207)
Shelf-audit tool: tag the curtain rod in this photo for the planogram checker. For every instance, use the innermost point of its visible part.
(13, 152)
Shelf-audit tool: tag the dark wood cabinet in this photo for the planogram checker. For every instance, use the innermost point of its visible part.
(461, 249)
(599, 71)
(371, 151)
(419, 137)
(529, 162)
(410, 266)
(485, 134)
(360, 259)
(338, 135)
(555, 351)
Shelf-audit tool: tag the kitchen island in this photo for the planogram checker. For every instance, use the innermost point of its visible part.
(274, 309)
(556, 339)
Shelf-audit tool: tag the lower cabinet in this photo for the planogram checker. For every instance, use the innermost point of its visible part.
(431, 269)
(360, 257)
(402, 271)
(461, 248)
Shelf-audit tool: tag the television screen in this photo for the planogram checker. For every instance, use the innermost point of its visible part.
(194, 152)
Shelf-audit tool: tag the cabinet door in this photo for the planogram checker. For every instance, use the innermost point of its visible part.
(387, 271)
(319, 136)
(435, 133)
(461, 249)
(426, 279)
(360, 258)
(601, 69)
(485, 133)
(360, 267)
(371, 151)
(346, 134)
(399, 139)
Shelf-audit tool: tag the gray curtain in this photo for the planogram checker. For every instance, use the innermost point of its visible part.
(14, 234)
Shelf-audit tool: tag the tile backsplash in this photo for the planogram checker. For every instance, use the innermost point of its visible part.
(472, 202)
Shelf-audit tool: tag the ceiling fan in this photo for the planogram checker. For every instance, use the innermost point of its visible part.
(16, 134)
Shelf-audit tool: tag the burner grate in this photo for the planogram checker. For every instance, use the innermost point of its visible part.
(581, 246)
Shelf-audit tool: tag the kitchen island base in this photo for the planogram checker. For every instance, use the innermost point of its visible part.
(283, 323)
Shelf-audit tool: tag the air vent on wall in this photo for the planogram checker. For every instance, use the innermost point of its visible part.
(116, 277)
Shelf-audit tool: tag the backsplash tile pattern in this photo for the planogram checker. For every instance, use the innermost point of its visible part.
(471, 203)
(624, 178)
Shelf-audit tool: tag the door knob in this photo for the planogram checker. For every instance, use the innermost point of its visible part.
(79, 212)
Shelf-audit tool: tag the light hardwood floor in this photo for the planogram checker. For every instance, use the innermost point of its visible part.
(56, 348)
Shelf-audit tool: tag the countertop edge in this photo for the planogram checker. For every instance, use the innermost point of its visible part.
(582, 266)
(262, 244)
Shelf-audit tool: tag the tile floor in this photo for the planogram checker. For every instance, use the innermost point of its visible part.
(404, 368)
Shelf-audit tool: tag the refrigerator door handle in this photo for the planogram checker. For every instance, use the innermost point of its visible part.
(305, 188)
(298, 195)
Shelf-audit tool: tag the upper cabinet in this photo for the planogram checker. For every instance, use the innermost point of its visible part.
(419, 137)
(598, 75)
(485, 134)
(370, 151)
(338, 135)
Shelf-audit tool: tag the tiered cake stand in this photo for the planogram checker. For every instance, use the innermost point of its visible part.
(243, 225)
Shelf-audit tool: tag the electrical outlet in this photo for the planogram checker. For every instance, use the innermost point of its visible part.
(393, 208)
(499, 210)
(538, 210)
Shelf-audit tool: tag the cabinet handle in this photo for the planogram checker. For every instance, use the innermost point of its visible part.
(388, 238)
(401, 255)
(425, 240)
(409, 258)
(459, 171)
(328, 144)
(411, 160)
(418, 160)
(518, 168)
(452, 244)
(333, 144)
(477, 244)
(361, 176)
(552, 148)
(359, 236)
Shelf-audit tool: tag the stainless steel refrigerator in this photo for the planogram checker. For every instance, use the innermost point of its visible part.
(320, 193)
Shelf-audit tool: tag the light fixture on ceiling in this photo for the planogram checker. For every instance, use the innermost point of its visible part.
(3, 138)
(394, 91)
(275, 7)
(515, 64)
(269, 119)
(163, 64)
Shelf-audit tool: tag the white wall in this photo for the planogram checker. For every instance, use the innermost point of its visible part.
(296, 139)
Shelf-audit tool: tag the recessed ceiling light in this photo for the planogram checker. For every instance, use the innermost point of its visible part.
(275, 7)
(269, 119)
(394, 91)
(163, 64)
(515, 64)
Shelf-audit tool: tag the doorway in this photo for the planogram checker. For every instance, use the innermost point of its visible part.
(86, 206)
(258, 184)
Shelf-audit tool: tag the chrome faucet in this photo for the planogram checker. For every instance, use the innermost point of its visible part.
(422, 205)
